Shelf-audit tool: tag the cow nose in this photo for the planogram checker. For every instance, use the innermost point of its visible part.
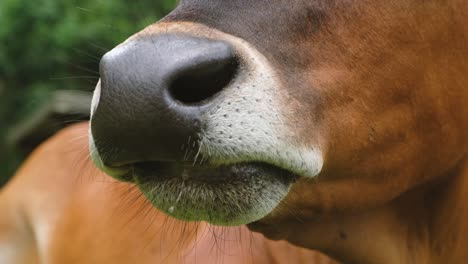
(154, 92)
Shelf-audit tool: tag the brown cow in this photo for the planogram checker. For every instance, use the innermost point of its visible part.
(336, 125)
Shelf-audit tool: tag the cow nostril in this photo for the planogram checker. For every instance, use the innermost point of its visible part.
(202, 82)
(157, 89)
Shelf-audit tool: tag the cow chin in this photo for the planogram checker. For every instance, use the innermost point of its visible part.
(226, 195)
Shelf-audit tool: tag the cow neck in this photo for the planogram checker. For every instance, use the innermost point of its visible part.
(428, 225)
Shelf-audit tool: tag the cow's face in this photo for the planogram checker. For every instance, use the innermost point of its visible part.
(228, 111)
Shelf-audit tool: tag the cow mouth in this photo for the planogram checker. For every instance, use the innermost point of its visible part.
(224, 195)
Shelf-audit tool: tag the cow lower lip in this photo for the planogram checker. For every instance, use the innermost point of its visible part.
(224, 195)
(158, 171)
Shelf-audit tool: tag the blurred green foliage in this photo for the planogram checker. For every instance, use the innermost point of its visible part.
(46, 45)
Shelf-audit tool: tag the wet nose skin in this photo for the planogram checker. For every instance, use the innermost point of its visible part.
(154, 91)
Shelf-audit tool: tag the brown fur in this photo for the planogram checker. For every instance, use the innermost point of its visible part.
(381, 86)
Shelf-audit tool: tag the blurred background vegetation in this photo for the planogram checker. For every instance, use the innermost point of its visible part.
(49, 57)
